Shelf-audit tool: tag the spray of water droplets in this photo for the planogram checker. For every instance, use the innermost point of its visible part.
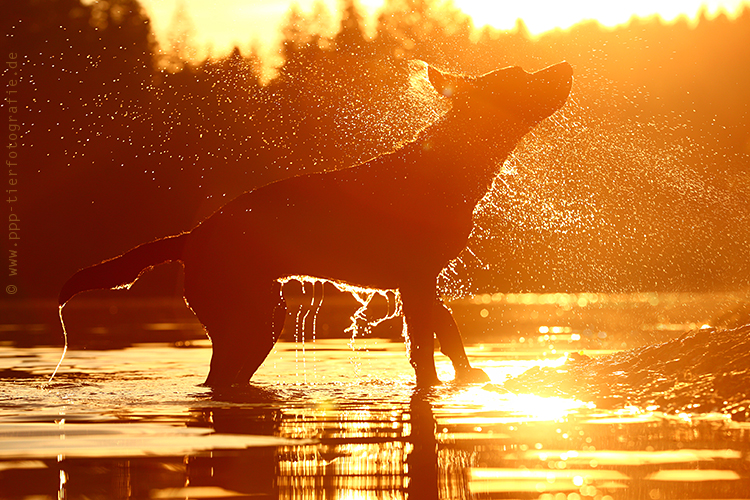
(388, 112)
(363, 320)
(595, 198)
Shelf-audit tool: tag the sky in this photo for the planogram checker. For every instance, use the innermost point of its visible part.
(223, 24)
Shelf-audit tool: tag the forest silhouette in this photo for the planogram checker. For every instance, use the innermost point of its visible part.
(641, 183)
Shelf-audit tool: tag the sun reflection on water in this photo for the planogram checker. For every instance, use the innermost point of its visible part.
(491, 406)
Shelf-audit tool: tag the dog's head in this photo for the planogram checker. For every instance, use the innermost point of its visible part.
(507, 94)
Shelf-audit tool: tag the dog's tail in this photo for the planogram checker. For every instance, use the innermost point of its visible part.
(123, 271)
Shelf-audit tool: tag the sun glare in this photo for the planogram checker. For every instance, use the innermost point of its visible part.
(546, 408)
(526, 407)
(223, 25)
(542, 15)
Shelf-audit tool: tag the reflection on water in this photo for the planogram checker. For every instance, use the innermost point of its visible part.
(339, 423)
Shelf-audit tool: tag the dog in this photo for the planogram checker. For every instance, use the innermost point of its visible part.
(391, 223)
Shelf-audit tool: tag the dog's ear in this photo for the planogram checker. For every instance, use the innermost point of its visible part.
(446, 84)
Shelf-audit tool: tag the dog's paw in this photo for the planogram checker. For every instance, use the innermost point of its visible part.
(471, 376)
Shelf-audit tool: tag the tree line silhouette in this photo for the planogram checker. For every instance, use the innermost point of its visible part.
(643, 182)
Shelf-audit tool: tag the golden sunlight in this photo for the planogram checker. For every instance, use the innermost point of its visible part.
(528, 407)
(218, 26)
(541, 15)
(546, 408)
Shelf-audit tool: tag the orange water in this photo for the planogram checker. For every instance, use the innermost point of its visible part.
(338, 423)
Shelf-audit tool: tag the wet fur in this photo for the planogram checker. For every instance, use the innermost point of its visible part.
(393, 222)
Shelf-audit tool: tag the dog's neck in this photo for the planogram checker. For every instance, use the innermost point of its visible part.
(468, 153)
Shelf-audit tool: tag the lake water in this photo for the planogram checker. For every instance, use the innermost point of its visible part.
(341, 419)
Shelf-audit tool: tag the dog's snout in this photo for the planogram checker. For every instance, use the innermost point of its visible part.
(559, 75)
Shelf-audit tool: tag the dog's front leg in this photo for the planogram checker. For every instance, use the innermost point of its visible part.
(452, 346)
(419, 306)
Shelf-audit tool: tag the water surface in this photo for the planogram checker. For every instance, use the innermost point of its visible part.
(340, 419)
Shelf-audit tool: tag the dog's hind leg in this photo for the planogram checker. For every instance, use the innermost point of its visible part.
(452, 346)
(273, 326)
(243, 328)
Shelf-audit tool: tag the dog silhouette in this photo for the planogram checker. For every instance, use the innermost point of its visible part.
(391, 223)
